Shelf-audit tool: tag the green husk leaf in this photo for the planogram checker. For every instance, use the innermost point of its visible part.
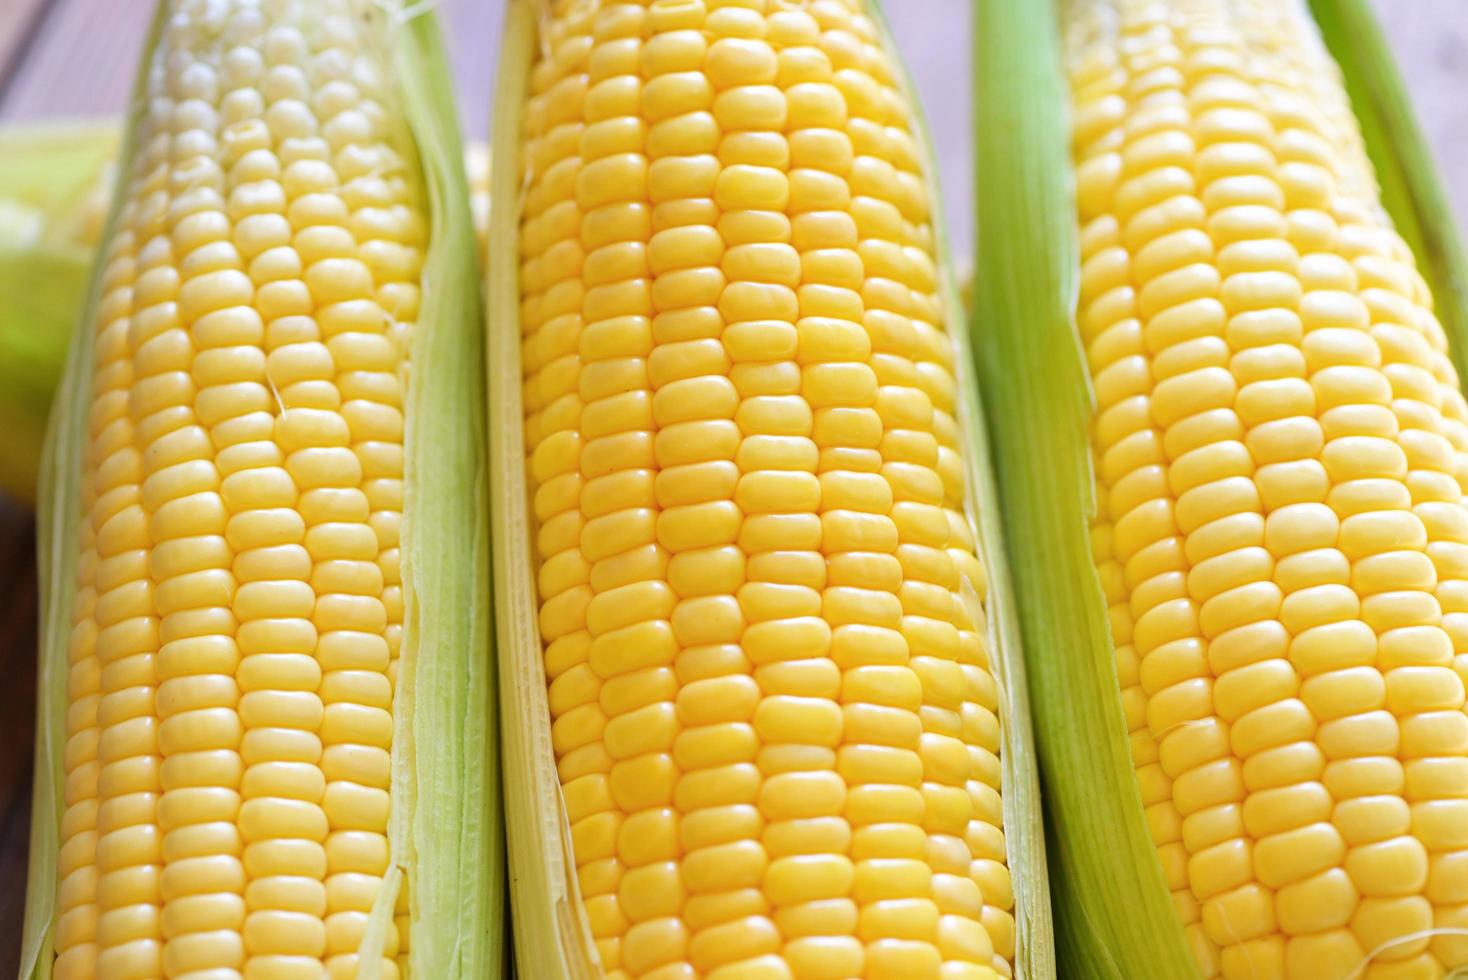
(552, 935)
(1411, 190)
(446, 818)
(1024, 830)
(1114, 916)
(445, 831)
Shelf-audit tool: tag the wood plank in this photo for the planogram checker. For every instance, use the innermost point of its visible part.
(19, 20)
(82, 61)
(17, 718)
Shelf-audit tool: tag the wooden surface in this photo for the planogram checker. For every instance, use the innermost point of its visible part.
(76, 57)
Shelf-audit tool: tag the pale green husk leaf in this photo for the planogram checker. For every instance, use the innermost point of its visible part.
(446, 832)
(47, 169)
(552, 935)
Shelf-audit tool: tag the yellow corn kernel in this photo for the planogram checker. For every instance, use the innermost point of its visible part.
(762, 607)
(1282, 442)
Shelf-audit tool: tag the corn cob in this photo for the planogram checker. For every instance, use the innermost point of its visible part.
(261, 749)
(1279, 446)
(769, 677)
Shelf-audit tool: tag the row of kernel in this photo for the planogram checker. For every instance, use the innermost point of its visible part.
(1133, 459)
(943, 587)
(110, 532)
(786, 735)
(551, 317)
(632, 616)
(386, 220)
(1292, 414)
(284, 483)
(129, 852)
(551, 323)
(318, 850)
(1154, 205)
(282, 825)
(880, 760)
(1106, 316)
(899, 919)
(1096, 80)
(693, 406)
(1159, 222)
(364, 288)
(552, 258)
(203, 881)
(1258, 686)
(805, 838)
(1123, 437)
(942, 592)
(1232, 575)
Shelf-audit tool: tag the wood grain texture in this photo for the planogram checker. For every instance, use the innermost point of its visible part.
(79, 59)
(19, 20)
(81, 62)
(17, 717)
